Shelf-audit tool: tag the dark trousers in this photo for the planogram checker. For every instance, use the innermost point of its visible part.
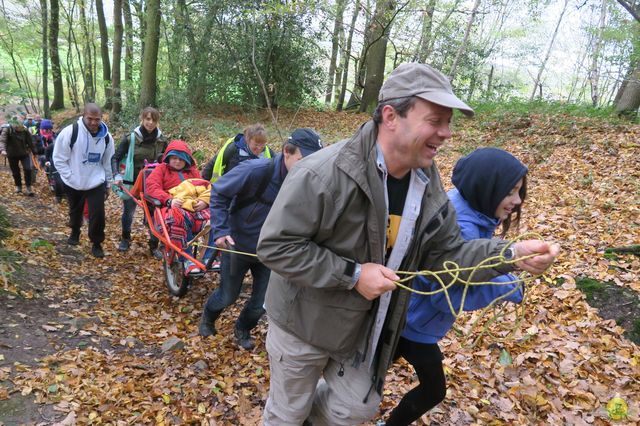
(14, 165)
(233, 268)
(128, 211)
(95, 201)
(426, 359)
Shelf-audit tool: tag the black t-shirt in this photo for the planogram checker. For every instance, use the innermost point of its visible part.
(397, 192)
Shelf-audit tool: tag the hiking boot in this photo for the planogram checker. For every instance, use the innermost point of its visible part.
(96, 250)
(124, 245)
(206, 327)
(18, 190)
(74, 238)
(243, 337)
(58, 200)
(30, 192)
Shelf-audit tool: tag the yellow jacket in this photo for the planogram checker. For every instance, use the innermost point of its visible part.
(190, 191)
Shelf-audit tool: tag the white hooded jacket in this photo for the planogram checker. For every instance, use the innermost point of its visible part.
(88, 164)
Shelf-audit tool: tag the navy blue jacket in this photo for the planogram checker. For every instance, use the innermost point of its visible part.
(429, 318)
(242, 182)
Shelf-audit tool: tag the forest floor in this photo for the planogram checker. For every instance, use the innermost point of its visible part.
(81, 339)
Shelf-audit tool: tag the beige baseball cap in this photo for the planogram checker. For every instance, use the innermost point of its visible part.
(423, 81)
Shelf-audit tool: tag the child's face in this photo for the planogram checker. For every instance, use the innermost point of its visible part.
(176, 162)
(510, 202)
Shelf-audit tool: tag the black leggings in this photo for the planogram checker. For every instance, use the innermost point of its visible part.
(426, 359)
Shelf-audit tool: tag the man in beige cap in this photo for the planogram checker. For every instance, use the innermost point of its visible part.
(345, 219)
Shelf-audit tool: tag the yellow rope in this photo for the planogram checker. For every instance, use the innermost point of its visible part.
(451, 272)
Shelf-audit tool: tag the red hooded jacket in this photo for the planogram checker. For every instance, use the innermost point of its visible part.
(163, 177)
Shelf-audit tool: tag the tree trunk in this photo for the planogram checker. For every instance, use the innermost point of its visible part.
(54, 28)
(537, 84)
(380, 29)
(128, 50)
(45, 59)
(116, 105)
(346, 56)
(104, 53)
(337, 28)
(360, 63)
(88, 92)
(148, 84)
(629, 100)
(139, 7)
(594, 72)
(423, 49)
(465, 39)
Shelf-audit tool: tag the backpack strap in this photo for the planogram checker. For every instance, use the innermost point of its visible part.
(74, 135)
(257, 196)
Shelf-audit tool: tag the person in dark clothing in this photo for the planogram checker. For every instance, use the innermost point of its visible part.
(149, 144)
(238, 211)
(490, 187)
(17, 145)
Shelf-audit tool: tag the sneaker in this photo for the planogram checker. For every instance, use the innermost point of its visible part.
(74, 239)
(156, 253)
(215, 265)
(124, 245)
(243, 338)
(30, 192)
(96, 250)
(191, 268)
(206, 328)
(18, 190)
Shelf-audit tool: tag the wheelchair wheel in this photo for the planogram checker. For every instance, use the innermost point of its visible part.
(177, 282)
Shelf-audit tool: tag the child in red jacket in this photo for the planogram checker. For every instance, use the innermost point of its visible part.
(177, 184)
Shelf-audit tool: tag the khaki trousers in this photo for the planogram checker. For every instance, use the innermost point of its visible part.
(306, 385)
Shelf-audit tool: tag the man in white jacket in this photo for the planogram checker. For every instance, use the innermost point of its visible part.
(82, 155)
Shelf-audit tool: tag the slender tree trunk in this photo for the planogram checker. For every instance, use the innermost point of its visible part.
(465, 40)
(148, 85)
(128, 50)
(54, 28)
(537, 83)
(376, 57)
(116, 105)
(88, 92)
(422, 52)
(104, 53)
(45, 59)
(594, 72)
(360, 65)
(139, 7)
(337, 28)
(346, 56)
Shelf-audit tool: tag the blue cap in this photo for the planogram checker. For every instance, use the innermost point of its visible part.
(307, 140)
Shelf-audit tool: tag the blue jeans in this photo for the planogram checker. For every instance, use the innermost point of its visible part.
(233, 268)
(128, 211)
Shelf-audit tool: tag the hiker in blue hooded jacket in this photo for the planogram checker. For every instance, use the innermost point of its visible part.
(240, 202)
(490, 187)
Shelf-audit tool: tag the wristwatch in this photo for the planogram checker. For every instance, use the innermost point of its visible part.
(510, 253)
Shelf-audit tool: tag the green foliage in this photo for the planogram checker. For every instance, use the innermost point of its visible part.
(519, 108)
(590, 287)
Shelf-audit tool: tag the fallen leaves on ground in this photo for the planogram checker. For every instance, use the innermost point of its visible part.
(562, 367)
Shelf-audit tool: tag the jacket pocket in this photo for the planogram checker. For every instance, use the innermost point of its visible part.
(330, 319)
